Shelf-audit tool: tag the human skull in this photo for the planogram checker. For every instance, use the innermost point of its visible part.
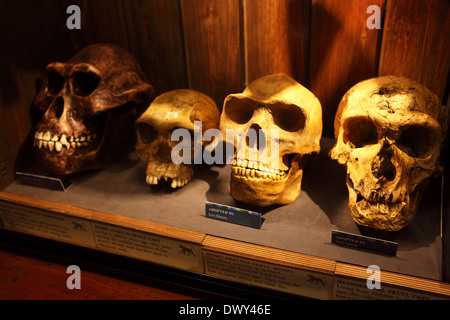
(176, 109)
(389, 132)
(88, 106)
(287, 120)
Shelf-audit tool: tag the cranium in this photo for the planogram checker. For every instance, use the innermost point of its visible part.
(89, 106)
(389, 132)
(176, 109)
(287, 119)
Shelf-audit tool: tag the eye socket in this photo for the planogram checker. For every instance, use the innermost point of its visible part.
(239, 110)
(55, 82)
(84, 83)
(288, 117)
(147, 133)
(416, 141)
(360, 132)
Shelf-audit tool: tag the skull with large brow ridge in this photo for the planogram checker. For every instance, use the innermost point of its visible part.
(389, 133)
(285, 120)
(88, 106)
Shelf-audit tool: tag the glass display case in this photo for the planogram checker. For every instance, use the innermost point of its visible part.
(309, 248)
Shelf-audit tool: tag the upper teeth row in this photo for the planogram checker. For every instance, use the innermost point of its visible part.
(56, 142)
(176, 182)
(255, 173)
(253, 169)
(251, 164)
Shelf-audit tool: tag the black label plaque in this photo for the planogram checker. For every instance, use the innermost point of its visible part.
(43, 181)
(355, 241)
(233, 215)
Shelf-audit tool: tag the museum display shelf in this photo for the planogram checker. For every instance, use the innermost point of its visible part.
(115, 211)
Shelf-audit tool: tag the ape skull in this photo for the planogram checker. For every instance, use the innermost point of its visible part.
(286, 119)
(389, 132)
(177, 109)
(89, 106)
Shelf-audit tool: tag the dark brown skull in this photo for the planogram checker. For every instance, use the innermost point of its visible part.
(89, 105)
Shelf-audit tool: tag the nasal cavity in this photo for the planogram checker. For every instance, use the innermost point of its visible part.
(382, 166)
(58, 107)
(255, 137)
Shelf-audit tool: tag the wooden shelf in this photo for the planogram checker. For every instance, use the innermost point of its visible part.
(272, 268)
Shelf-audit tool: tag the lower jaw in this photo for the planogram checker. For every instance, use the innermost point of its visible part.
(265, 192)
(382, 216)
(64, 163)
(392, 217)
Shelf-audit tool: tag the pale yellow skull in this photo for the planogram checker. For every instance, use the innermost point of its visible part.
(177, 109)
(288, 119)
(389, 132)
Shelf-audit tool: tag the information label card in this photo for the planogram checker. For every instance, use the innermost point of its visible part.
(355, 241)
(233, 215)
(269, 275)
(42, 181)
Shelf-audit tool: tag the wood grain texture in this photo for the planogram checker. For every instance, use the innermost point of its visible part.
(214, 47)
(427, 285)
(343, 51)
(416, 42)
(107, 22)
(155, 38)
(276, 37)
(272, 255)
(28, 278)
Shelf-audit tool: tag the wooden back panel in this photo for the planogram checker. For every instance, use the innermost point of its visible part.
(219, 46)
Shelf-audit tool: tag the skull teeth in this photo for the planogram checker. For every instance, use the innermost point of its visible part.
(45, 140)
(176, 182)
(254, 169)
(376, 198)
